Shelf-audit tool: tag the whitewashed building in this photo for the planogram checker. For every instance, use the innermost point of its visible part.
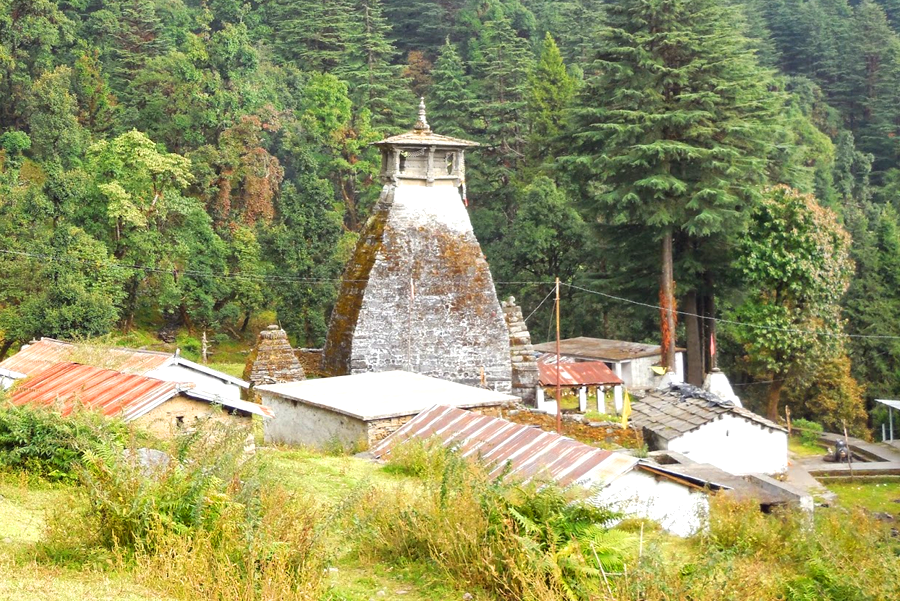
(707, 429)
(359, 410)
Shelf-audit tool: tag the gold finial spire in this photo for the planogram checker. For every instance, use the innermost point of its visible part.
(422, 123)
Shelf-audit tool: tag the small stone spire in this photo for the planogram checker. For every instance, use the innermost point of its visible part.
(422, 123)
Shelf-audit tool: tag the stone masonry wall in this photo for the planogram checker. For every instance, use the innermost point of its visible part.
(272, 360)
(427, 304)
(525, 374)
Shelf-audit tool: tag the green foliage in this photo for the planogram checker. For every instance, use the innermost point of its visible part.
(795, 268)
(45, 443)
(809, 431)
(518, 541)
(133, 503)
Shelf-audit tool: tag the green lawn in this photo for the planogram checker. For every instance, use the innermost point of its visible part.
(805, 450)
(873, 495)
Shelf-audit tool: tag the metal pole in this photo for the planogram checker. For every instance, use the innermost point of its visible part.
(891, 417)
(883, 432)
(558, 386)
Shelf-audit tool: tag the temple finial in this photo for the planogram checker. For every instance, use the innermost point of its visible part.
(422, 123)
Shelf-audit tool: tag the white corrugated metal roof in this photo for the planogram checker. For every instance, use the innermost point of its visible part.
(380, 395)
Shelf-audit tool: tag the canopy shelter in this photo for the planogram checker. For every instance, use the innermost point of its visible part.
(578, 376)
(891, 405)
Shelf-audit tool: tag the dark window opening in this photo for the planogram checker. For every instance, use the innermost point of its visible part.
(451, 160)
(402, 162)
(179, 421)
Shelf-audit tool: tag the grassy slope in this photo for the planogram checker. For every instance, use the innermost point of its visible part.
(334, 481)
(331, 480)
(23, 508)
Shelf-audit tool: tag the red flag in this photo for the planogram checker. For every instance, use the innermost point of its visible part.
(712, 345)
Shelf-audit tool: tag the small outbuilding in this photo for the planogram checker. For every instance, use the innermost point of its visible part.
(213, 385)
(633, 362)
(580, 377)
(361, 409)
(678, 502)
(707, 429)
(157, 405)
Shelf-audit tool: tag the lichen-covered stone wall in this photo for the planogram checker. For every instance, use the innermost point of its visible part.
(419, 296)
(525, 373)
(272, 360)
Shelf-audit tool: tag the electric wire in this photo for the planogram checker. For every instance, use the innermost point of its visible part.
(287, 279)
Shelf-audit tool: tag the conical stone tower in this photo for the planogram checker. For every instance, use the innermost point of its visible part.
(418, 294)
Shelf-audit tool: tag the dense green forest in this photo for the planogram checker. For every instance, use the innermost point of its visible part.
(190, 163)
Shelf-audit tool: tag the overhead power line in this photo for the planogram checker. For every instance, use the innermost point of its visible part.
(287, 279)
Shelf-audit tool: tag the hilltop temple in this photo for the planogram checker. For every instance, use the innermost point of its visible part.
(418, 294)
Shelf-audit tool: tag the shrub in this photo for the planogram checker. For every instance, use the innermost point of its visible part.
(197, 526)
(809, 431)
(517, 541)
(41, 441)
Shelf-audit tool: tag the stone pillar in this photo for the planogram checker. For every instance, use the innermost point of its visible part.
(582, 399)
(525, 373)
(272, 360)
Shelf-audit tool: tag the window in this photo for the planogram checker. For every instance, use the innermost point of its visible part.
(402, 161)
(451, 163)
(179, 421)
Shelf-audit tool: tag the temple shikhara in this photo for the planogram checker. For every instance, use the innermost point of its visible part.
(417, 294)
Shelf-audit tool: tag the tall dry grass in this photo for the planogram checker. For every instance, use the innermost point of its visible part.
(835, 555)
(202, 526)
(534, 542)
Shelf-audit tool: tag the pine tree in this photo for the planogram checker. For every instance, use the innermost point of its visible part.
(374, 82)
(451, 101)
(502, 73)
(673, 133)
(313, 35)
(549, 95)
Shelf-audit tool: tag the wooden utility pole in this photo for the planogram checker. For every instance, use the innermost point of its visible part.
(558, 358)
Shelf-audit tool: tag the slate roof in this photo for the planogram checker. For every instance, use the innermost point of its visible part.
(682, 408)
(601, 349)
(424, 138)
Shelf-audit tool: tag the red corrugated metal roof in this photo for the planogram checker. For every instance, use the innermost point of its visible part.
(40, 355)
(528, 451)
(588, 373)
(107, 391)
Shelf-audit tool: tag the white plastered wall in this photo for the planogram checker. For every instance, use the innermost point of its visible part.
(735, 445)
(679, 509)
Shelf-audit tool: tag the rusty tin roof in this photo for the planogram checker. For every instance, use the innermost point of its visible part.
(586, 373)
(111, 392)
(104, 390)
(46, 352)
(601, 349)
(527, 451)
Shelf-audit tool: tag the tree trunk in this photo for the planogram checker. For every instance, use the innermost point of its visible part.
(711, 320)
(694, 343)
(773, 397)
(667, 303)
(6, 346)
(246, 322)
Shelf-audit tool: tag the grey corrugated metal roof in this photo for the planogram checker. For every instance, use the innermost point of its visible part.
(600, 349)
(528, 451)
(682, 408)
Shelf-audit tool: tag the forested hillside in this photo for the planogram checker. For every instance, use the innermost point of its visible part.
(191, 163)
